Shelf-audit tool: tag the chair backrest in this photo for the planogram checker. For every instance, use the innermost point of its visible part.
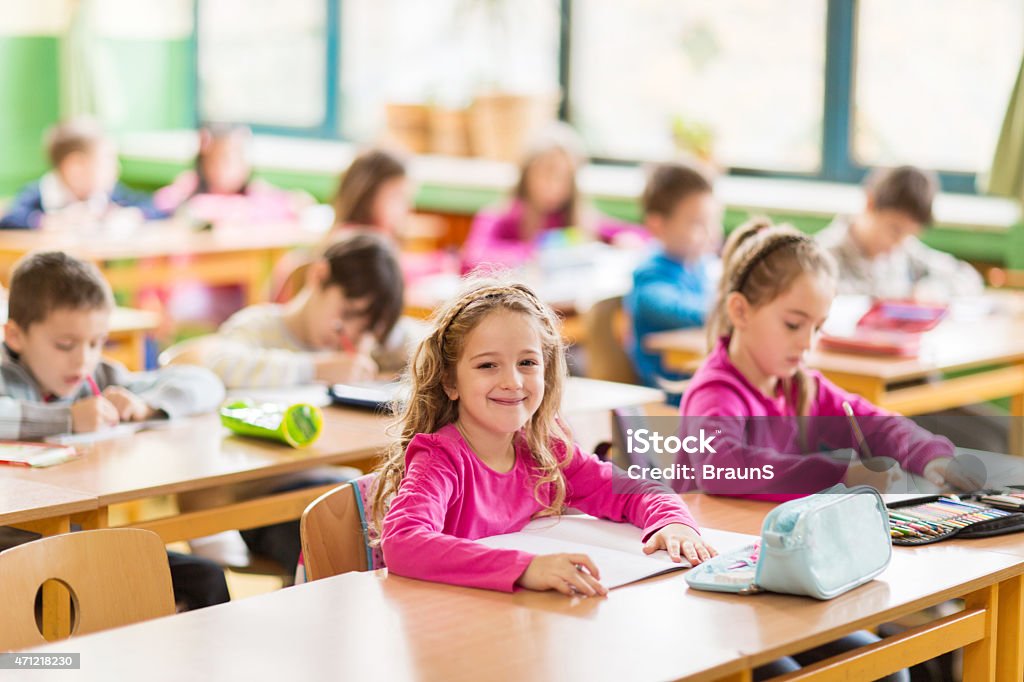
(289, 276)
(606, 353)
(335, 531)
(116, 576)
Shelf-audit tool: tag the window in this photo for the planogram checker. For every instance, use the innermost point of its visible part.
(933, 78)
(814, 88)
(265, 63)
(443, 52)
(751, 72)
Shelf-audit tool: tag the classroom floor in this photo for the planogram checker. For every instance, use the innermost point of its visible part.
(240, 585)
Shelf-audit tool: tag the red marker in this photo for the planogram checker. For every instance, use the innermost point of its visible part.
(93, 386)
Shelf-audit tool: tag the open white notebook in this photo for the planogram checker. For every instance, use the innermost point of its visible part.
(615, 547)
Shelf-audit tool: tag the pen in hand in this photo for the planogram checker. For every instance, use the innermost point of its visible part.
(862, 444)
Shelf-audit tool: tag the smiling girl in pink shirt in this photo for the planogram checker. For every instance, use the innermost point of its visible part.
(483, 451)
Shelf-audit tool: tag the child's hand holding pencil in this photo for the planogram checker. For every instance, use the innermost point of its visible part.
(95, 413)
(352, 365)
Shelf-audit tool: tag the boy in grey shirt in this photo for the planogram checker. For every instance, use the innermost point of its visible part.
(878, 251)
(53, 380)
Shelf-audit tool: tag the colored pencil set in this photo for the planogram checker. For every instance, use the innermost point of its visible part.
(937, 519)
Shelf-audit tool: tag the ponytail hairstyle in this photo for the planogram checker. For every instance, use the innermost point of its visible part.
(428, 407)
(760, 261)
(556, 137)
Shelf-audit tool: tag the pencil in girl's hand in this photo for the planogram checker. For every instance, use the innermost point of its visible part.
(93, 386)
(862, 444)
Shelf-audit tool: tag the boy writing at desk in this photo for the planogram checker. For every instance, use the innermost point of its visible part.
(879, 252)
(53, 380)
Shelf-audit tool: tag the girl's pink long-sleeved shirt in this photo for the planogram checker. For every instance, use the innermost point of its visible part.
(752, 430)
(496, 235)
(449, 498)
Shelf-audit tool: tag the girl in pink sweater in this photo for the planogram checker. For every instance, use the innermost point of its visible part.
(545, 203)
(482, 451)
(777, 287)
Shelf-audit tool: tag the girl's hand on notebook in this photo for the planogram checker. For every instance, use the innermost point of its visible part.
(570, 574)
(679, 540)
(130, 407)
(881, 473)
(93, 414)
(947, 472)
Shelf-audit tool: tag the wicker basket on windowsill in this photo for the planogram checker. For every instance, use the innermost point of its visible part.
(449, 131)
(408, 126)
(500, 123)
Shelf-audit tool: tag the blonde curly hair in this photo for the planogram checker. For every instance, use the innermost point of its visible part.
(428, 407)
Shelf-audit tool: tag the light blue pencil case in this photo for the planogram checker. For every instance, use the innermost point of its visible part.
(820, 546)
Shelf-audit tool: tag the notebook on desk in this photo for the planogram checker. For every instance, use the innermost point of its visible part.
(17, 453)
(616, 548)
(888, 327)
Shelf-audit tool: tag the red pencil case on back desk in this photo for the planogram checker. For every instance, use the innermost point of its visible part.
(889, 328)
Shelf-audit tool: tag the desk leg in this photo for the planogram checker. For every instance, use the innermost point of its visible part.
(91, 520)
(1017, 424)
(980, 656)
(1010, 631)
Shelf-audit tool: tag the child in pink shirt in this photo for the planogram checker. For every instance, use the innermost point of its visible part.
(776, 290)
(482, 451)
(544, 202)
(222, 189)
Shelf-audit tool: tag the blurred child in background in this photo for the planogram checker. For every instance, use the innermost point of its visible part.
(879, 252)
(675, 286)
(544, 202)
(81, 191)
(221, 188)
(375, 192)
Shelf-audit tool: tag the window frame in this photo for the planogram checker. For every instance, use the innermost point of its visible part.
(330, 125)
(837, 159)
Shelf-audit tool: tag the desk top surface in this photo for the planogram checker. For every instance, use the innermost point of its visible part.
(22, 501)
(198, 453)
(160, 238)
(954, 344)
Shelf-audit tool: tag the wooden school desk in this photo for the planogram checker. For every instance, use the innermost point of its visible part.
(198, 454)
(993, 347)
(364, 625)
(172, 252)
(989, 628)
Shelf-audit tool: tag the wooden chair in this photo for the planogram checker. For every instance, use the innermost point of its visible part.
(116, 576)
(604, 326)
(335, 531)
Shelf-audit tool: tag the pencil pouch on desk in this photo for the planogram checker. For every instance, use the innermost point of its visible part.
(297, 425)
(818, 546)
(923, 521)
